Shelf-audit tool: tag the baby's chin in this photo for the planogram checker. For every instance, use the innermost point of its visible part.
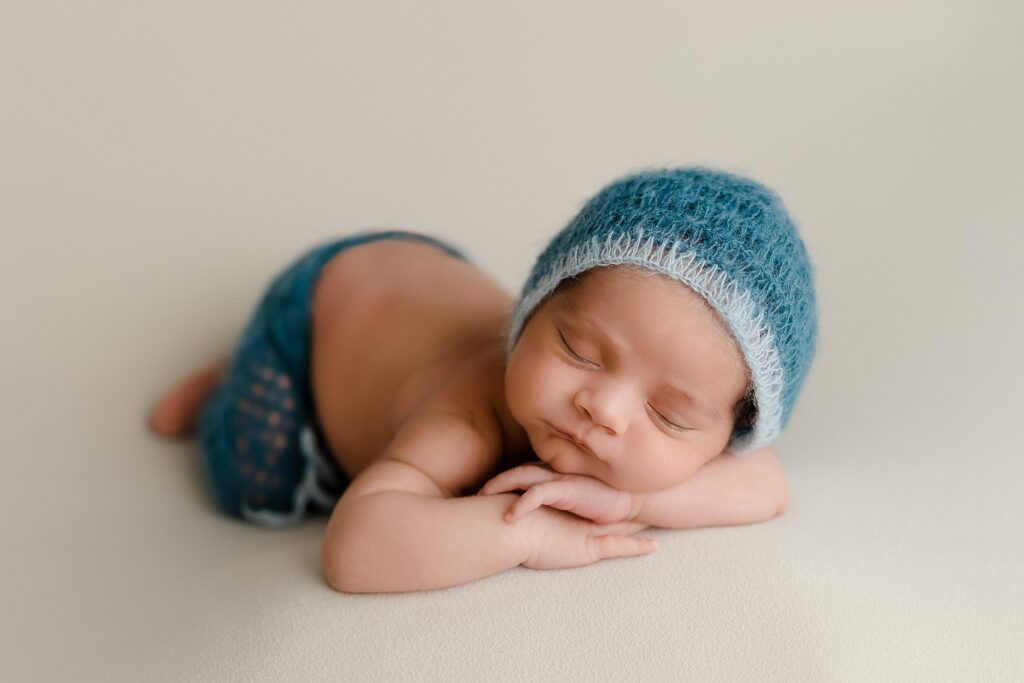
(554, 455)
(565, 458)
(564, 461)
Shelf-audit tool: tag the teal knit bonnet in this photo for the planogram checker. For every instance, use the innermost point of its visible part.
(727, 237)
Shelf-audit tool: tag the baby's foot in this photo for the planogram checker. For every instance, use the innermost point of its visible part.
(177, 412)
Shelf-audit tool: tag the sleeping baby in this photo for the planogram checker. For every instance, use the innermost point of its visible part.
(655, 352)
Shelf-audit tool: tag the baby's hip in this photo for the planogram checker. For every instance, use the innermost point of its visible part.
(252, 429)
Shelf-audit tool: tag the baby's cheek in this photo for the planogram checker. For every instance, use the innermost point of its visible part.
(551, 383)
(685, 465)
(530, 384)
(517, 386)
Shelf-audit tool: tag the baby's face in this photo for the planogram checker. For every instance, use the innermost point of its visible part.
(638, 368)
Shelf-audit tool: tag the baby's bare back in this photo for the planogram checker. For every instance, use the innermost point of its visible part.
(394, 321)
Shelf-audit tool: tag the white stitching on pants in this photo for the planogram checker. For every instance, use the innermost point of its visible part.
(308, 490)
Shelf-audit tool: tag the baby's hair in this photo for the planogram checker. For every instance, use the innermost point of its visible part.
(744, 411)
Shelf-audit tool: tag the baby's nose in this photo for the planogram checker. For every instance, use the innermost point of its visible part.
(604, 409)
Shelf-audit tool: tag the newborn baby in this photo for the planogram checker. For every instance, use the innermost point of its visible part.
(655, 352)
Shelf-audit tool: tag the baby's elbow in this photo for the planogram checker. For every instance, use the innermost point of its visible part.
(336, 579)
(344, 576)
(344, 543)
(783, 502)
(341, 582)
(335, 572)
(779, 487)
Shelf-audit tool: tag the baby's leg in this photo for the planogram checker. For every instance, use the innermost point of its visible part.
(176, 414)
(250, 433)
(258, 434)
(255, 415)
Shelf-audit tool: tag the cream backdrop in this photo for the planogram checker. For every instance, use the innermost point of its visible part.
(161, 161)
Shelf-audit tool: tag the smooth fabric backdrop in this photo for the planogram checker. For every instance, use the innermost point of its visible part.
(162, 161)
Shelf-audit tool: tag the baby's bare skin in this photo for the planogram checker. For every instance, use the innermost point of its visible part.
(421, 408)
(396, 324)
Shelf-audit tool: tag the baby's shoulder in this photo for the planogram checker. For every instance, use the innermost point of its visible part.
(476, 390)
(469, 388)
(454, 435)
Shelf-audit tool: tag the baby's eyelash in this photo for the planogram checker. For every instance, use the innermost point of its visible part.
(671, 425)
(569, 350)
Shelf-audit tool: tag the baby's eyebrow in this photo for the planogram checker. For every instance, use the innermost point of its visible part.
(569, 304)
(711, 411)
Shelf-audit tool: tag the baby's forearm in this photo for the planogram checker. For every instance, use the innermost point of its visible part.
(394, 541)
(728, 490)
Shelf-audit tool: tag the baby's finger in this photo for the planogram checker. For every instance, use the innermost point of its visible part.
(557, 494)
(627, 528)
(612, 545)
(520, 477)
(517, 509)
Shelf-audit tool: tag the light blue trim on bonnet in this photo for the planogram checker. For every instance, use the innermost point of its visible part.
(733, 303)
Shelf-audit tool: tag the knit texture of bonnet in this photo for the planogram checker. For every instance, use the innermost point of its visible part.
(727, 237)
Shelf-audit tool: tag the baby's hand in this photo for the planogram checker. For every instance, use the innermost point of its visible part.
(576, 493)
(560, 540)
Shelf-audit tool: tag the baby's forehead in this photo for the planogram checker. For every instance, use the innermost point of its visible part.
(601, 297)
(591, 287)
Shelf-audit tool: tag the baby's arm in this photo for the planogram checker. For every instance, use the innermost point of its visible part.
(399, 527)
(729, 490)
(726, 491)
